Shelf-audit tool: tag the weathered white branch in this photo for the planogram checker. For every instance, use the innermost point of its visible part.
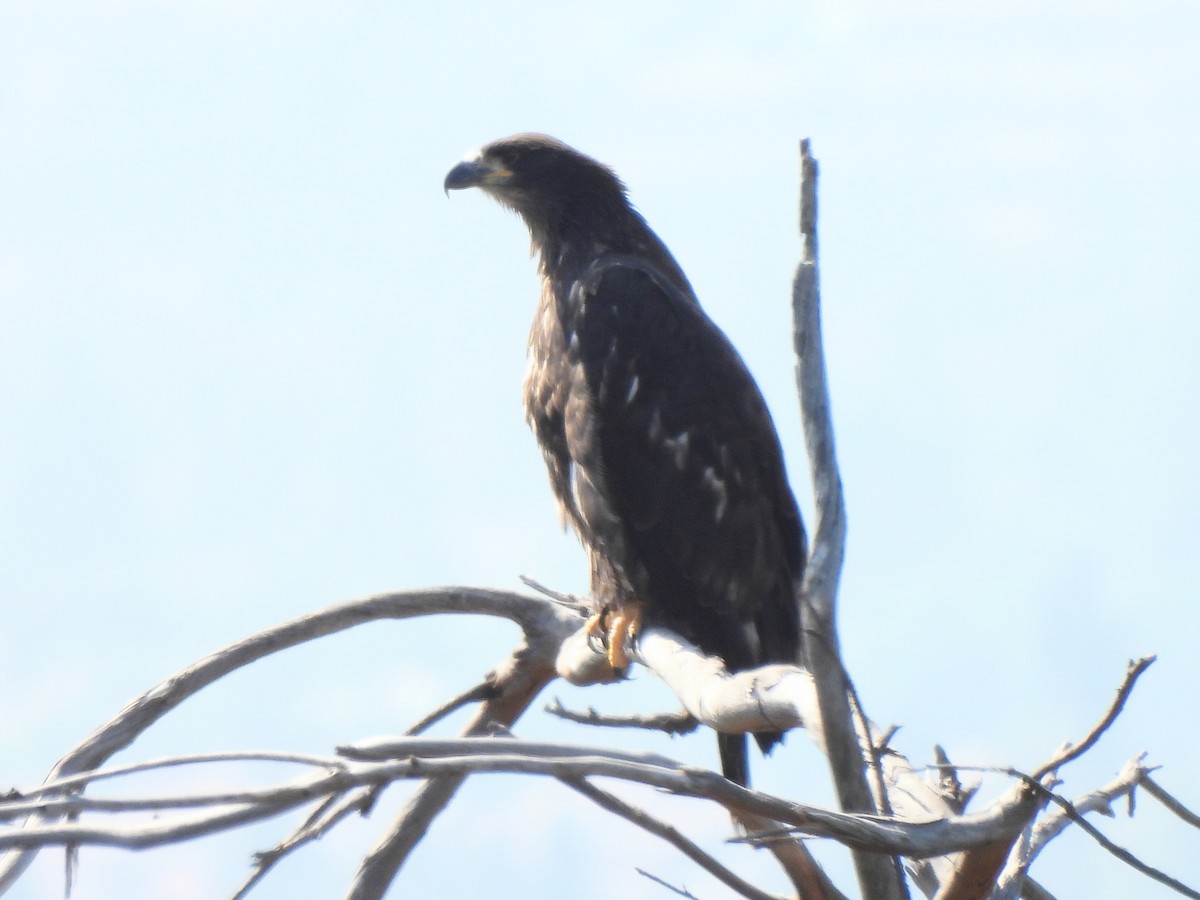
(880, 879)
(387, 749)
(877, 833)
(765, 699)
(44, 796)
(772, 697)
(426, 758)
(545, 624)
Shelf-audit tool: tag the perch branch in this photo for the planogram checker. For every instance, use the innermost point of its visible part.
(763, 699)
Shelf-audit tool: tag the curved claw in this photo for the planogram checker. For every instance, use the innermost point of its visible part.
(609, 630)
(626, 625)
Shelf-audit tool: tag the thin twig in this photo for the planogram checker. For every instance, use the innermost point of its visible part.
(875, 750)
(1136, 668)
(477, 694)
(518, 681)
(266, 860)
(986, 865)
(570, 601)
(796, 859)
(671, 723)
(325, 817)
(682, 892)
(669, 834)
(1118, 851)
(75, 782)
(1039, 835)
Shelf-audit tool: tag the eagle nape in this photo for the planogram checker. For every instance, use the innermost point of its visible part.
(659, 446)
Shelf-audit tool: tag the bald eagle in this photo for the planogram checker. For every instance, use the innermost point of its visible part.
(660, 448)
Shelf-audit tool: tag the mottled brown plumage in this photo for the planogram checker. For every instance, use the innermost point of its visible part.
(660, 449)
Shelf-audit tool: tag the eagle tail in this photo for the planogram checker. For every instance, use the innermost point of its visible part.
(735, 763)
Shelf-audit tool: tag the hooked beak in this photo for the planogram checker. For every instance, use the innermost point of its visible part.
(476, 172)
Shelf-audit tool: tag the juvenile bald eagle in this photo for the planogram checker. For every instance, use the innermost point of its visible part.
(660, 448)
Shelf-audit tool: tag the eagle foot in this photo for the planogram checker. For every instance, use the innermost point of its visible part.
(611, 628)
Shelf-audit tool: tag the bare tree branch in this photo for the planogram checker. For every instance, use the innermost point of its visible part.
(482, 691)
(770, 697)
(517, 683)
(1135, 669)
(670, 834)
(806, 873)
(394, 748)
(876, 833)
(570, 601)
(1051, 825)
(1031, 890)
(325, 817)
(976, 870)
(1073, 814)
(679, 892)
(764, 699)
(880, 879)
(956, 793)
(669, 723)
(1156, 790)
(1126, 857)
(43, 797)
(544, 623)
(462, 757)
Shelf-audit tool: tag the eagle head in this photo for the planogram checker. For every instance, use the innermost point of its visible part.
(548, 183)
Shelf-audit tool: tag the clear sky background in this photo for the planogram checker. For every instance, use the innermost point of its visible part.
(253, 362)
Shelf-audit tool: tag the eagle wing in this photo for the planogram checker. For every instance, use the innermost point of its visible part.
(679, 475)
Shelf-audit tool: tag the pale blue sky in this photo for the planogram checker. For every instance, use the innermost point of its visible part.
(253, 362)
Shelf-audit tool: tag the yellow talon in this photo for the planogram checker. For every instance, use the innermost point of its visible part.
(611, 628)
(595, 626)
(626, 625)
